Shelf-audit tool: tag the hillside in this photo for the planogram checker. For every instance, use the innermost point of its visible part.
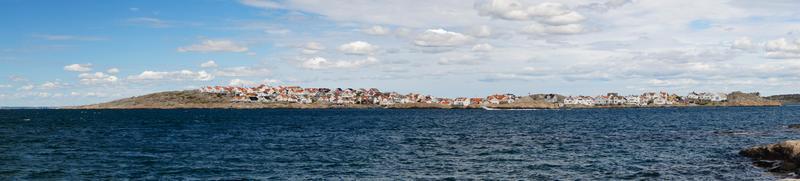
(786, 98)
(749, 99)
(197, 99)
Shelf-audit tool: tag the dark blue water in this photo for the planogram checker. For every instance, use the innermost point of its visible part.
(668, 143)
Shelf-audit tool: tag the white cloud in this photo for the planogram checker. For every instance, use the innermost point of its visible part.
(460, 59)
(112, 71)
(377, 30)
(554, 30)
(482, 31)
(27, 87)
(240, 82)
(264, 4)
(214, 46)
(97, 78)
(317, 63)
(150, 22)
(16, 78)
(548, 13)
(174, 75)
(312, 48)
(208, 64)
(743, 43)
(672, 82)
(50, 85)
(242, 72)
(5, 86)
(441, 38)
(783, 49)
(358, 48)
(78, 67)
(53, 37)
(483, 47)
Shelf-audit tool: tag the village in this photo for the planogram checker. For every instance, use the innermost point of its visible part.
(373, 96)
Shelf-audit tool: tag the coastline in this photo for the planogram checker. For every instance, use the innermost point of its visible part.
(198, 100)
(396, 106)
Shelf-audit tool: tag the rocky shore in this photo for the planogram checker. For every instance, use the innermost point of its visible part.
(783, 157)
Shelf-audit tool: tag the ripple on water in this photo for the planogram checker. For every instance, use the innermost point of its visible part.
(614, 144)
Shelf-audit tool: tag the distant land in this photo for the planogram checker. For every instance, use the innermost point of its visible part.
(294, 97)
(786, 99)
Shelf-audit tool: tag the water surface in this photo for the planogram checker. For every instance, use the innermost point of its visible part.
(590, 144)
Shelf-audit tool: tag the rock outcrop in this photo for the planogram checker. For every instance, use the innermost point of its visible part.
(749, 99)
(779, 157)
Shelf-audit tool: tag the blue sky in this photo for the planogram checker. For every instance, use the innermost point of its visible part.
(56, 53)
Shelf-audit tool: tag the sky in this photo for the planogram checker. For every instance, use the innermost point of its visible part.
(61, 53)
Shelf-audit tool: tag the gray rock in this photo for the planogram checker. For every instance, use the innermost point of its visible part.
(784, 156)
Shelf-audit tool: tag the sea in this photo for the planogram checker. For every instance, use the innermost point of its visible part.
(698, 143)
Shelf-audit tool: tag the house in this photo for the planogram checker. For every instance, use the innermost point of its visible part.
(475, 101)
(445, 101)
(500, 99)
(461, 101)
(719, 97)
(633, 100)
(570, 100)
(551, 98)
(579, 100)
(601, 100)
(660, 101)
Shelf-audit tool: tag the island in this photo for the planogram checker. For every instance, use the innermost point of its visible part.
(295, 97)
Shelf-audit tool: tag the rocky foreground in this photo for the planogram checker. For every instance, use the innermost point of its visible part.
(783, 157)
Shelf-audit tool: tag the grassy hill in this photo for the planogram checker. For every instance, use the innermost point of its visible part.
(171, 99)
(195, 99)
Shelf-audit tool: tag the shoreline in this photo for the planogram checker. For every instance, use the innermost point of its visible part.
(416, 106)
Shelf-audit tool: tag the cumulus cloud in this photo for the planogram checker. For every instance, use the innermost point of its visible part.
(743, 43)
(27, 87)
(481, 31)
(242, 72)
(441, 38)
(173, 75)
(240, 82)
(5, 86)
(316, 63)
(548, 13)
(312, 48)
(51, 85)
(97, 78)
(483, 47)
(214, 46)
(554, 30)
(782, 49)
(358, 48)
(208, 64)
(112, 71)
(377, 30)
(672, 82)
(78, 67)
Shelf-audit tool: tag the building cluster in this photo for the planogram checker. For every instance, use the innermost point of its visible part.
(296, 94)
(649, 98)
